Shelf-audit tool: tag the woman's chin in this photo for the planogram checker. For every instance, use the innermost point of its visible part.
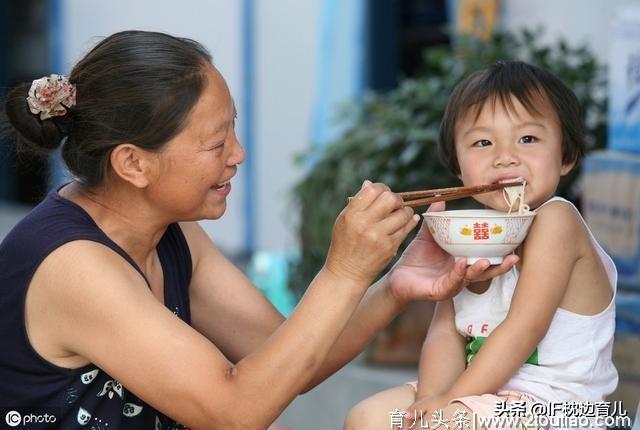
(216, 212)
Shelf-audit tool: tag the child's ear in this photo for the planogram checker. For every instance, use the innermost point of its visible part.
(567, 167)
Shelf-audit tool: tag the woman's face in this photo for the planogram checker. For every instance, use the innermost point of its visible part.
(196, 167)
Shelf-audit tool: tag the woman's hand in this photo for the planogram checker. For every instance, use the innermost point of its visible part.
(427, 272)
(368, 232)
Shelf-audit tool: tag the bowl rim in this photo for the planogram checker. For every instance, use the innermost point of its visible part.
(489, 213)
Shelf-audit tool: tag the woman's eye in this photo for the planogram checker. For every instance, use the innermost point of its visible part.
(528, 139)
(218, 146)
(481, 143)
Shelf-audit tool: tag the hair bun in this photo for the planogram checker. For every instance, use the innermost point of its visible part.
(32, 133)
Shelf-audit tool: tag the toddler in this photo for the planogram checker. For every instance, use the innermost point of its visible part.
(542, 332)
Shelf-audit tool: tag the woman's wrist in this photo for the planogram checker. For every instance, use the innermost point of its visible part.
(398, 303)
(348, 283)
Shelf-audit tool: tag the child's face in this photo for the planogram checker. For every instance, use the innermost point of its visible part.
(504, 144)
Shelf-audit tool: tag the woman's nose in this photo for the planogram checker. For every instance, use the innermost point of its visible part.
(238, 154)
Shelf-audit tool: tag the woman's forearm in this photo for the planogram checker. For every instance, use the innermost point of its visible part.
(270, 378)
(374, 312)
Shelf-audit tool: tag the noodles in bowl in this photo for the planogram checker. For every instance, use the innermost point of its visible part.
(483, 233)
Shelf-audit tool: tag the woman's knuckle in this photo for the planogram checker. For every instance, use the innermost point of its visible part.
(392, 198)
(378, 188)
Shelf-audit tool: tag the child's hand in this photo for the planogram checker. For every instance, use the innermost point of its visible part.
(427, 272)
(424, 408)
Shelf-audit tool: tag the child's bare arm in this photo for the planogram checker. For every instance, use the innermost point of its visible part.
(549, 256)
(443, 355)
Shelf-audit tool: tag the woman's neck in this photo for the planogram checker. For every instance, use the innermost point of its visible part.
(124, 215)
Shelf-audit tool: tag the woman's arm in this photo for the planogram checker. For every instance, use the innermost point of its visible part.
(442, 359)
(99, 308)
(424, 272)
(549, 255)
(225, 306)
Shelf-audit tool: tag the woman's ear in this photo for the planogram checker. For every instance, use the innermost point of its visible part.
(133, 164)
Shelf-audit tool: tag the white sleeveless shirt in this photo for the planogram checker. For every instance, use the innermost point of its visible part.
(573, 360)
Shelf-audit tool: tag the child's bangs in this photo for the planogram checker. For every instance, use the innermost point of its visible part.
(503, 90)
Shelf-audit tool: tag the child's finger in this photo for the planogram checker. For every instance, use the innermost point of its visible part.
(412, 412)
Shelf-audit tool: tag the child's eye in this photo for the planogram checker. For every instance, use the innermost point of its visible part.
(481, 143)
(528, 139)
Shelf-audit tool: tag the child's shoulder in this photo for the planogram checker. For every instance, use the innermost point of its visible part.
(557, 222)
(558, 214)
(560, 241)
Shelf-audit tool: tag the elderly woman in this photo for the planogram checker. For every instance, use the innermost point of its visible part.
(118, 311)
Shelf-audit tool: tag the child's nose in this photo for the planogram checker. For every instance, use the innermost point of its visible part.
(505, 158)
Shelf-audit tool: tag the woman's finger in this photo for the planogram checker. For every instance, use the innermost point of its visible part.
(367, 194)
(384, 204)
(453, 282)
(397, 220)
(476, 270)
(497, 270)
(399, 235)
(437, 207)
(424, 233)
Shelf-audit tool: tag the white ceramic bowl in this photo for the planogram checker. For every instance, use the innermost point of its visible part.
(478, 233)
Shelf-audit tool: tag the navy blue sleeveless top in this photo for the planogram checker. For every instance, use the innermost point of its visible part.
(87, 397)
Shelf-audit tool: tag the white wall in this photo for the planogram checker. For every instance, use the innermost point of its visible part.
(285, 48)
(286, 51)
(215, 24)
(577, 21)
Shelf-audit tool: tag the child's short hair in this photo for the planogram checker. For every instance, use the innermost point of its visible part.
(525, 82)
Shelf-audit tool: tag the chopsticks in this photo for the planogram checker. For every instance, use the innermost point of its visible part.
(425, 197)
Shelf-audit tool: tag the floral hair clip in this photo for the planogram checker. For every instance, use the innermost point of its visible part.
(51, 96)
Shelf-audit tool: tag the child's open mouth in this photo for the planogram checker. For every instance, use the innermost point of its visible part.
(516, 179)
